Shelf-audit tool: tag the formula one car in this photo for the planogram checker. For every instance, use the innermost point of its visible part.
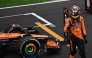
(27, 42)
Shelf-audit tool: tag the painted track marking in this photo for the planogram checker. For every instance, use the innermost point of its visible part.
(44, 20)
(34, 14)
(49, 31)
(34, 4)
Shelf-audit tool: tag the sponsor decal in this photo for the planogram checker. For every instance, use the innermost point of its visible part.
(5, 40)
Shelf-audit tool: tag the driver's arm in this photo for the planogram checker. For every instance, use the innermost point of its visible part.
(67, 22)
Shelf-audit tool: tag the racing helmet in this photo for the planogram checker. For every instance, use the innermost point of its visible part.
(75, 11)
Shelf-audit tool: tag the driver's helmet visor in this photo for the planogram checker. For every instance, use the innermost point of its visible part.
(75, 14)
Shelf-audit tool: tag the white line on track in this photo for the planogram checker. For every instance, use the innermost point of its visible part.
(53, 1)
(44, 20)
(15, 15)
(34, 14)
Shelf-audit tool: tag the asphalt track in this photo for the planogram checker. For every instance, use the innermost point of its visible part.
(52, 12)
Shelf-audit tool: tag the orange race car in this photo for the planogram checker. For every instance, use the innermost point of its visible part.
(27, 42)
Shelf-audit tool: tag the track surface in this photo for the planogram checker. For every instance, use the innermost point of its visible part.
(53, 13)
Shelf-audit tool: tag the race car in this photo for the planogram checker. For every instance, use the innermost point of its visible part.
(27, 42)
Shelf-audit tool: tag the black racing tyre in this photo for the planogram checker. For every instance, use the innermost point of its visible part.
(28, 47)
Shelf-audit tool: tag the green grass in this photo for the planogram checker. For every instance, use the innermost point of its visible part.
(5, 3)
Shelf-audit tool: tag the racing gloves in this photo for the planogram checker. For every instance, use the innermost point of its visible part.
(85, 40)
(68, 28)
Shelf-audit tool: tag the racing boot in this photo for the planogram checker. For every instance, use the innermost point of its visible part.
(71, 56)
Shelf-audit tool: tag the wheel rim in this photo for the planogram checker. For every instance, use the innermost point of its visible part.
(30, 49)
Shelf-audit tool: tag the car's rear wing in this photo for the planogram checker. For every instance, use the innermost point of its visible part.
(65, 15)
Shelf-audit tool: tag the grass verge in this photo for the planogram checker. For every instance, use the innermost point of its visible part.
(5, 3)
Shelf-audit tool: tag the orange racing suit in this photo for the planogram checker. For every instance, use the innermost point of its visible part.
(77, 30)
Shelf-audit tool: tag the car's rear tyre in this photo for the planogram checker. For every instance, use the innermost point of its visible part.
(28, 47)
